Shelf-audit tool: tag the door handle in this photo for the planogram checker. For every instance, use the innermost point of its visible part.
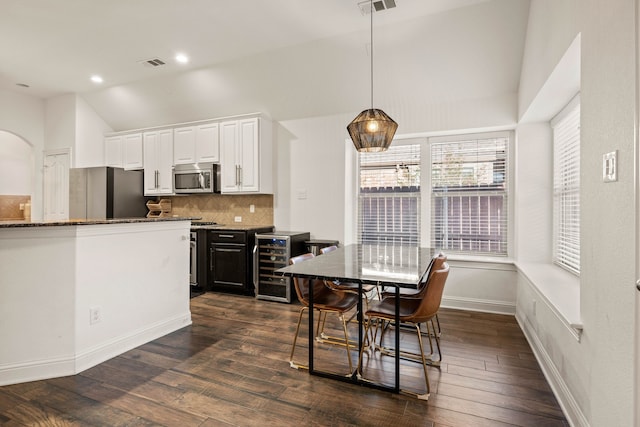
(638, 284)
(255, 268)
(227, 250)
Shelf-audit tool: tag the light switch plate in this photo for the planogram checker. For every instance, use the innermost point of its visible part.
(610, 166)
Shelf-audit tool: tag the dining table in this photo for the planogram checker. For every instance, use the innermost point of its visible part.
(380, 264)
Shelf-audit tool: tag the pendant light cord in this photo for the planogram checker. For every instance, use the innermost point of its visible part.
(371, 43)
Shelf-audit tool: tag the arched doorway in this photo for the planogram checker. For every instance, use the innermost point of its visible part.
(17, 172)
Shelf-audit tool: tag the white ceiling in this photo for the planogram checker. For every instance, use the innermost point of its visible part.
(247, 53)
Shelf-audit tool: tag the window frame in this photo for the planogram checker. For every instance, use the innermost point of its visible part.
(567, 261)
(359, 198)
(510, 193)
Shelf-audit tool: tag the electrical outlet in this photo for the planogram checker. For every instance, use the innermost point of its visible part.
(238, 219)
(610, 167)
(95, 315)
(252, 208)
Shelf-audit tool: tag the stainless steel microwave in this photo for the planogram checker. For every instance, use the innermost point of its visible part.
(196, 178)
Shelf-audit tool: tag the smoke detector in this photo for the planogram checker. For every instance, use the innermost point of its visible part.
(152, 63)
(377, 5)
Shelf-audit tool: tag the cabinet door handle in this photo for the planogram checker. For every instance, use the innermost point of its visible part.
(210, 259)
(227, 250)
(226, 236)
(255, 268)
(240, 176)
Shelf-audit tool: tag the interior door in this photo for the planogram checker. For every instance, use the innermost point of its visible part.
(56, 185)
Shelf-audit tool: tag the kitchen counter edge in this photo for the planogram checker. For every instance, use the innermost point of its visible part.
(19, 224)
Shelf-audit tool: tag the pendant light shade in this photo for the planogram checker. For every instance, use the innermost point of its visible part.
(372, 130)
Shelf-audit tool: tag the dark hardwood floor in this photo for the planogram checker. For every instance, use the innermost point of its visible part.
(231, 368)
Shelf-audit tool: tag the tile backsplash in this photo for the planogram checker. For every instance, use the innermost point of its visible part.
(223, 208)
(10, 207)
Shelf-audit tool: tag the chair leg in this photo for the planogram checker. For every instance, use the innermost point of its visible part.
(295, 338)
(367, 327)
(424, 366)
(346, 340)
(437, 338)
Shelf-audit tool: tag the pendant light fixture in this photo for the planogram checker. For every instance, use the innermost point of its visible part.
(372, 130)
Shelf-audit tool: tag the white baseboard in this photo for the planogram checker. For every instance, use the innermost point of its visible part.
(473, 304)
(91, 357)
(567, 402)
(60, 367)
(36, 370)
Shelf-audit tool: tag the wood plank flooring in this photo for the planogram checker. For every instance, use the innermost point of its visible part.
(231, 368)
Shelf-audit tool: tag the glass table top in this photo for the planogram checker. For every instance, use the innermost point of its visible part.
(367, 263)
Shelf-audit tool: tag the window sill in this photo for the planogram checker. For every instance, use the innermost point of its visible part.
(559, 288)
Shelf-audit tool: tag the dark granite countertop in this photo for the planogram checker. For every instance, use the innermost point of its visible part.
(230, 227)
(22, 224)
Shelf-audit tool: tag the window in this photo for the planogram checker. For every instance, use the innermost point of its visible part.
(389, 196)
(469, 194)
(566, 187)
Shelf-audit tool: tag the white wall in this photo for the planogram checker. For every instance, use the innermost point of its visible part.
(608, 123)
(534, 192)
(72, 123)
(60, 122)
(593, 376)
(89, 136)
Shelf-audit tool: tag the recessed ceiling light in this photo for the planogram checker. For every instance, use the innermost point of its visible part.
(182, 58)
(96, 79)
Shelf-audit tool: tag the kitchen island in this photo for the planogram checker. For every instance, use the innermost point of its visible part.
(76, 293)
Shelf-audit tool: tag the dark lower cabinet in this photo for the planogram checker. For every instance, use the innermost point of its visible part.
(231, 260)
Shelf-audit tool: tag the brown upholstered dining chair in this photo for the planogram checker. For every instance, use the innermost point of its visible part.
(369, 291)
(413, 312)
(436, 263)
(325, 300)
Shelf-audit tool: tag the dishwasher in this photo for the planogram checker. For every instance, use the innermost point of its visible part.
(228, 261)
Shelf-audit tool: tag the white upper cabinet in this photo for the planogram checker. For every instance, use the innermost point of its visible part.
(184, 145)
(245, 156)
(124, 151)
(158, 162)
(196, 144)
(132, 151)
(113, 151)
(208, 143)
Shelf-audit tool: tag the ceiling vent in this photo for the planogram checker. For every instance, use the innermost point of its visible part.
(378, 6)
(155, 62)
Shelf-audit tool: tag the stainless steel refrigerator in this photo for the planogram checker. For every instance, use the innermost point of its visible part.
(106, 193)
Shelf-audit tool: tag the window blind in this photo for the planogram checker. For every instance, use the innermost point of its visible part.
(469, 192)
(566, 189)
(389, 196)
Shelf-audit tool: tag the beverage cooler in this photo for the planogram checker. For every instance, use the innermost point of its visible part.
(273, 251)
